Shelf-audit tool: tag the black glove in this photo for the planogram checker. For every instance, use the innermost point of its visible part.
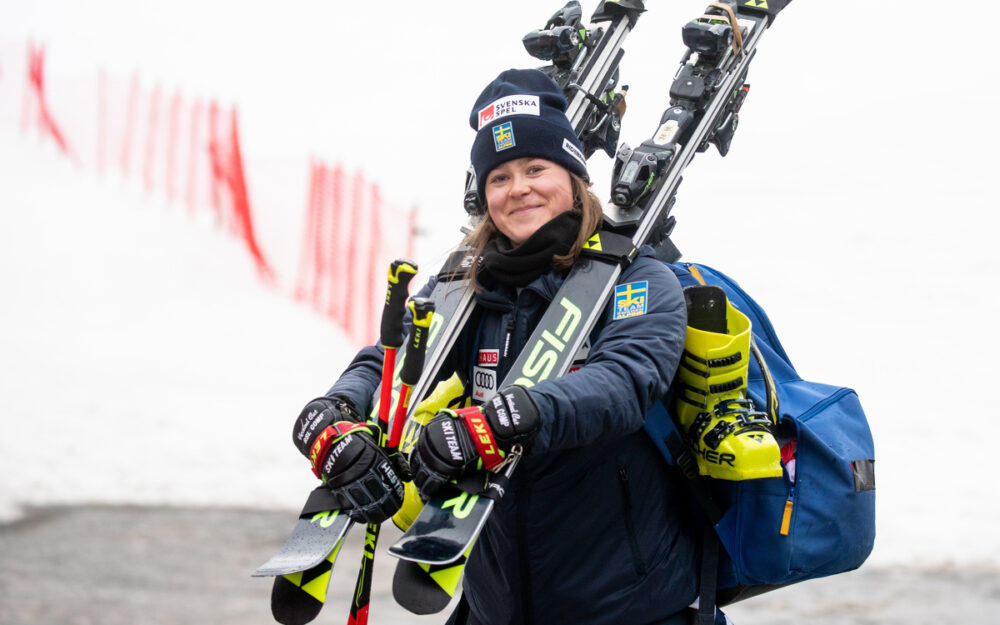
(345, 454)
(456, 442)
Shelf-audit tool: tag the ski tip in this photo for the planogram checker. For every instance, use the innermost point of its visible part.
(414, 589)
(291, 606)
(272, 569)
(286, 566)
(431, 550)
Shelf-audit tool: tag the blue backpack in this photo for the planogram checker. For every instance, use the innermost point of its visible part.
(819, 518)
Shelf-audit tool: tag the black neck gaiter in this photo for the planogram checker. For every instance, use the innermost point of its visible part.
(519, 265)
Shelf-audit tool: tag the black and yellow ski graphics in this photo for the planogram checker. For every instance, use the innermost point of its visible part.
(298, 597)
(311, 548)
(426, 588)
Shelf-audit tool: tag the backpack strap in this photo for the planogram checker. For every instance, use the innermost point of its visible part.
(610, 247)
(708, 584)
(709, 578)
(770, 388)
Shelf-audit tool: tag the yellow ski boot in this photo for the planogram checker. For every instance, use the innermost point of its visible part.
(730, 439)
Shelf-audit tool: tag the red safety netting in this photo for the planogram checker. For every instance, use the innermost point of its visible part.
(189, 150)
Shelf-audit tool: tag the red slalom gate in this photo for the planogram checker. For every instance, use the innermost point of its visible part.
(36, 104)
(227, 170)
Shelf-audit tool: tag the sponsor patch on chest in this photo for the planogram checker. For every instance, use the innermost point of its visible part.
(484, 383)
(630, 299)
(488, 357)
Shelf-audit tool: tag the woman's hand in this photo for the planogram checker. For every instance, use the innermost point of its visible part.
(345, 454)
(456, 442)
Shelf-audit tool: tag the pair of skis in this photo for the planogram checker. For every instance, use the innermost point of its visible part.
(302, 566)
(706, 95)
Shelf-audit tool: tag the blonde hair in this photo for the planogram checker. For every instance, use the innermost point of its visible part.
(584, 202)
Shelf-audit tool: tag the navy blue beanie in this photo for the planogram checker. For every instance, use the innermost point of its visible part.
(522, 113)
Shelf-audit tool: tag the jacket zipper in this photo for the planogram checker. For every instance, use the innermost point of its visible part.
(637, 560)
(510, 332)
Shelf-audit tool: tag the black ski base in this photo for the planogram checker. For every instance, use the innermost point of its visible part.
(290, 605)
(418, 589)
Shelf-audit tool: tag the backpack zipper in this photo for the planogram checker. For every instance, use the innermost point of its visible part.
(820, 405)
(786, 517)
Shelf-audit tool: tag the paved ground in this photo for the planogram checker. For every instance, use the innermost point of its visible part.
(131, 565)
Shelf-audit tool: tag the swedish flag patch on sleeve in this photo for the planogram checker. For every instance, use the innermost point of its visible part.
(630, 299)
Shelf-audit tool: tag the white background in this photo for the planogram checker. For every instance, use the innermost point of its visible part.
(142, 361)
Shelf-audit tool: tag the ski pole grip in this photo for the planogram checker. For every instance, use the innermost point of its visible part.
(422, 310)
(401, 271)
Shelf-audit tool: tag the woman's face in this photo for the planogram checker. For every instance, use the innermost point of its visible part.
(524, 194)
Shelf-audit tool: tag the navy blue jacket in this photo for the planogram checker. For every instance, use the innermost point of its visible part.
(592, 529)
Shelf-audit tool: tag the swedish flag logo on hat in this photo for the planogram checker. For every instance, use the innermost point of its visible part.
(503, 136)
